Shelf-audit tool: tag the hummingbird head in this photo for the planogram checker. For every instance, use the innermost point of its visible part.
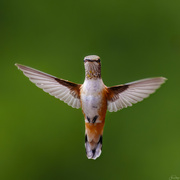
(92, 65)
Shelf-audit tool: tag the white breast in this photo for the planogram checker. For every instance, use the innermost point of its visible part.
(91, 97)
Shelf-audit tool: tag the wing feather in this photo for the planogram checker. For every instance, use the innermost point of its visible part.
(61, 89)
(122, 96)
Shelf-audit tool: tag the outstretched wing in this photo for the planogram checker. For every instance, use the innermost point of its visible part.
(61, 89)
(125, 95)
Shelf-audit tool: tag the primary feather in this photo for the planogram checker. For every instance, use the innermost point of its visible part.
(59, 88)
(125, 95)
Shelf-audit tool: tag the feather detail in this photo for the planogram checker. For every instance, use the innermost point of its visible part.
(122, 96)
(64, 90)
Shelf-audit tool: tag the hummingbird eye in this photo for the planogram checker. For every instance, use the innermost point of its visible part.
(98, 61)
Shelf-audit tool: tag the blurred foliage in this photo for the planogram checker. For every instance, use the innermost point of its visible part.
(43, 138)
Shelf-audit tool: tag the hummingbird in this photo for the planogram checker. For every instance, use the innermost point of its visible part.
(93, 96)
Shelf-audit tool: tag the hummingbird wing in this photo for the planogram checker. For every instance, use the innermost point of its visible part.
(64, 90)
(122, 96)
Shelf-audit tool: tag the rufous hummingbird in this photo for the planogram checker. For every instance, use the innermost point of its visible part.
(93, 96)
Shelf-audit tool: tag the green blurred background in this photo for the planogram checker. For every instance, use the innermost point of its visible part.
(41, 138)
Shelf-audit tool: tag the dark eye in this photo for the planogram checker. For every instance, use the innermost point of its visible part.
(98, 60)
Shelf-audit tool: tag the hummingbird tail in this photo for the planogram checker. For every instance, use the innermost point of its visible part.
(93, 146)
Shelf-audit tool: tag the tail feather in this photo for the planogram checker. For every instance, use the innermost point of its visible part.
(93, 149)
